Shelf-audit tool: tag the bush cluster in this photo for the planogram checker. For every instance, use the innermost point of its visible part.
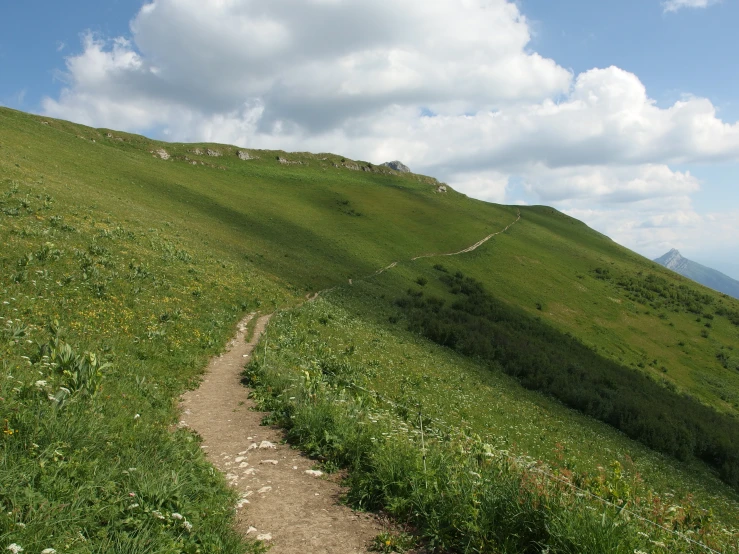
(544, 359)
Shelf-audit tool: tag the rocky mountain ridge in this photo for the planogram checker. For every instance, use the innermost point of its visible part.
(699, 273)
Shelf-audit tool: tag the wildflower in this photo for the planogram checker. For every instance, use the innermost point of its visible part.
(177, 516)
(157, 514)
(137, 416)
(48, 551)
(187, 525)
(40, 384)
(131, 494)
(15, 548)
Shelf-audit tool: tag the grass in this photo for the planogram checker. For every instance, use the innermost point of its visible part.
(149, 263)
(474, 490)
(101, 328)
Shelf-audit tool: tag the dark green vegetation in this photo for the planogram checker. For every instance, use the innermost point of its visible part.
(148, 263)
(542, 358)
(699, 273)
(461, 492)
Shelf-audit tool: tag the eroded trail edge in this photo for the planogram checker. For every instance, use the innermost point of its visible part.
(282, 501)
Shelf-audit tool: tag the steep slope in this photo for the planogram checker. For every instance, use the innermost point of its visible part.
(699, 273)
(260, 229)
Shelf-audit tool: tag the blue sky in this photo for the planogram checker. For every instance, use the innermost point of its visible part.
(624, 114)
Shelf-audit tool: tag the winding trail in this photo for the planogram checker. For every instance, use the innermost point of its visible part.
(475, 246)
(283, 501)
(293, 511)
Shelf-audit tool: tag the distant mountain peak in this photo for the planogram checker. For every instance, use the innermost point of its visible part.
(673, 260)
(704, 275)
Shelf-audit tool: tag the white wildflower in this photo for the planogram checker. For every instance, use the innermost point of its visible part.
(40, 384)
(177, 516)
(187, 525)
(137, 416)
(15, 548)
(157, 514)
(48, 551)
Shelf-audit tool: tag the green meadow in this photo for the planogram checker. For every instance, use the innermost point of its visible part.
(123, 271)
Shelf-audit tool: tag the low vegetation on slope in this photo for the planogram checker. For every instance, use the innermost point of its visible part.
(462, 486)
(147, 254)
(471, 321)
(102, 326)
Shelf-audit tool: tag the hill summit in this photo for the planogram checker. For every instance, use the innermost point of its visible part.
(699, 273)
(398, 166)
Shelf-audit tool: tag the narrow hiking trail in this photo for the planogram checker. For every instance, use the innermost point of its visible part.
(283, 501)
(280, 502)
(475, 246)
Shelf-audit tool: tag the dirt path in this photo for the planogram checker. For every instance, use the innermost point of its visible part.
(294, 511)
(474, 246)
(283, 501)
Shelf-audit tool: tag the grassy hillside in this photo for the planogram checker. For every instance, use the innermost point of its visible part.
(103, 323)
(147, 254)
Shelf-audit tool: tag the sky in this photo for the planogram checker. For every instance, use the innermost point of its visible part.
(622, 113)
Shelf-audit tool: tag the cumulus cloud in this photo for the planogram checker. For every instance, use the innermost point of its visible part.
(675, 5)
(450, 87)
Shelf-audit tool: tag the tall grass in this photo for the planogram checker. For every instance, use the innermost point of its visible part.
(102, 326)
(457, 491)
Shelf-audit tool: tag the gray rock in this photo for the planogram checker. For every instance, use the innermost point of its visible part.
(162, 153)
(213, 153)
(397, 166)
(244, 155)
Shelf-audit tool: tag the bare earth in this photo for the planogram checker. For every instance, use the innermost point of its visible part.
(291, 510)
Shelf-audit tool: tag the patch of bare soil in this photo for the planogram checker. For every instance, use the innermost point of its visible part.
(282, 501)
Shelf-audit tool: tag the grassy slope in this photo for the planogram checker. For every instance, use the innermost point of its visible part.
(290, 220)
(296, 222)
(317, 362)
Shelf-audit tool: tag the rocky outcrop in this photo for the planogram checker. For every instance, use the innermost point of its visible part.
(441, 188)
(285, 161)
(244, 155)
(214, 153)
(400, 167)
(162, 153)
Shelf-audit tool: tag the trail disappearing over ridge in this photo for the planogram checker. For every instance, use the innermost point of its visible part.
(288, 507)
(475, 246)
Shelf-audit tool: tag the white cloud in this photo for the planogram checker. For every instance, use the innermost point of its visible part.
(654, 227)
(675, 5)
(361, 77)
